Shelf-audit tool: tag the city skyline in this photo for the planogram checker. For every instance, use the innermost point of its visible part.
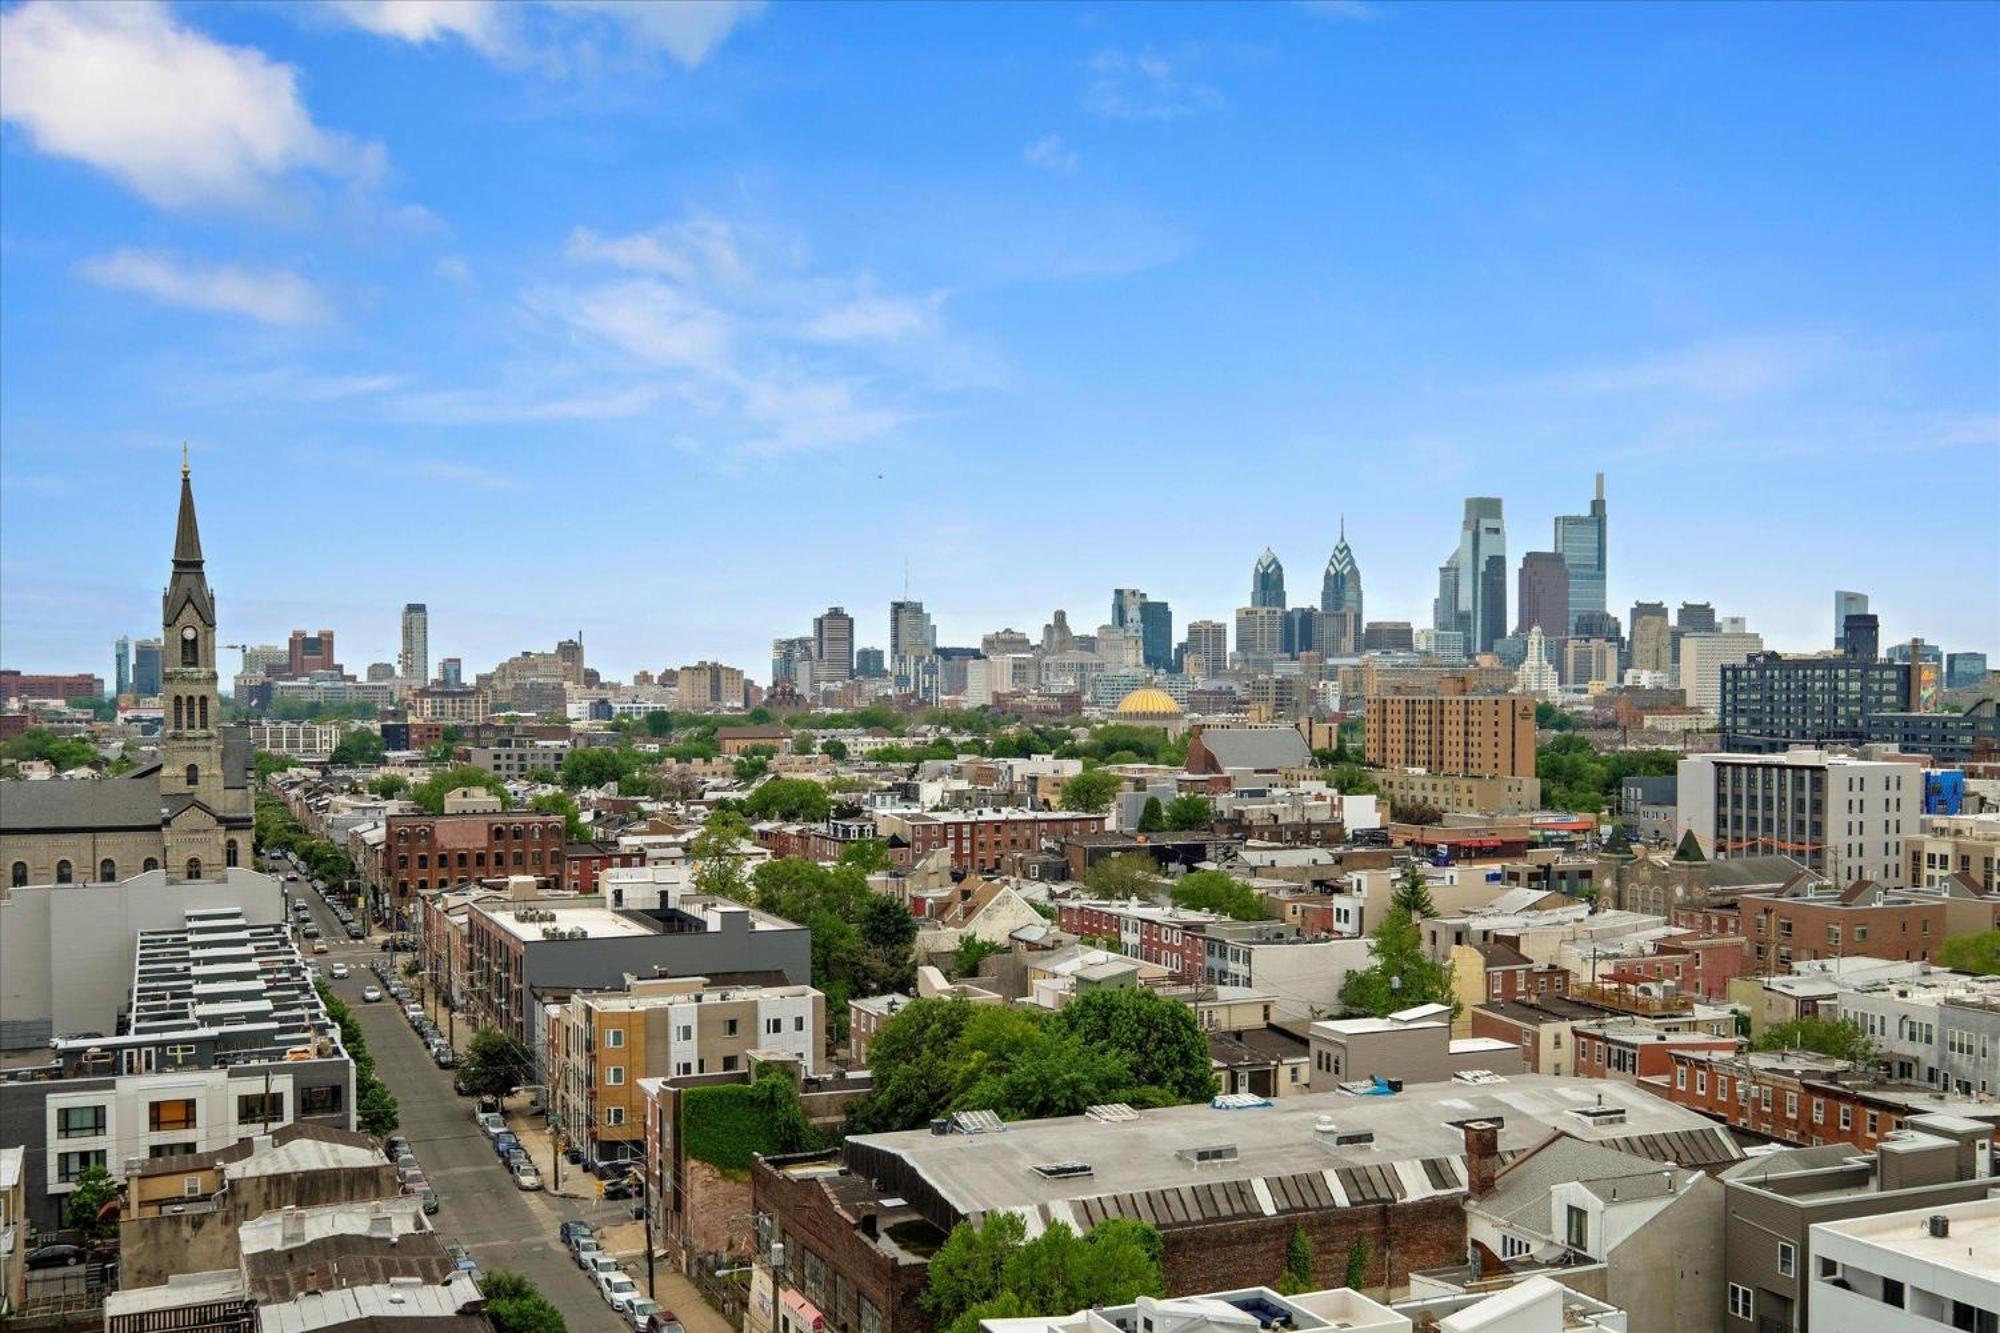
(1191, 277)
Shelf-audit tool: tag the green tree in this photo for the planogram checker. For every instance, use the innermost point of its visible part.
(516, 1305)
(1357, 1263)
(797, 799)
(376, 1111)
(1352, 780)
(913, 1075)
(1413, 893)
(359, 748)
(753, 762)
(992, 1270)
(1214, 891)
(1402, 975)
(64, 752)
(1415, 812)
(1298, 1274)
(886, 925)
(833, 748)
(561, 803)
(495, 1063)
(263, 764)
(1158, 1037)
(1153, 819)
(93, 1189)
(717, 854)
(1841, 1038)
(971, 952)
(967, 1269)
(1126, 875)
(1090, 792)
(389, 786)
(1550, 718)
(1978, 953)
(597, 766)
(1190, 813)
(868, 855)
(428, 795)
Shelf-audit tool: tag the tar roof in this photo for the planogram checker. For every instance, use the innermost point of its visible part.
(1416, 1150)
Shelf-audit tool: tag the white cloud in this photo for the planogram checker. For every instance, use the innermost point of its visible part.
(272, 296)
(1050, 153)
(182, 120)
(875, 319)
(795, 414)
(653, 321)
(453, 268)
(470, 407)
(465, 474)
(697, 249)
(1727, 368)
(560, 36)
(1144, 85)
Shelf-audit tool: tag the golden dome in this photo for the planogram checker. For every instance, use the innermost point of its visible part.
(1148, 701)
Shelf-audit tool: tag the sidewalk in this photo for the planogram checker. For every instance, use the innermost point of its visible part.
(533, 1131)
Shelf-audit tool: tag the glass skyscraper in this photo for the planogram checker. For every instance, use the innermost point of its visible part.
(1267, 581)
(1581, 542)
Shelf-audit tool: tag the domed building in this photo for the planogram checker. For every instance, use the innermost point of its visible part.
(1151, 706)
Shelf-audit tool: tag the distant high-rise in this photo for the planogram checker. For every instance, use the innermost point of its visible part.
(792, 660)
(146, 668)
(1056, 636)
(1153, 621)
(414, 662)
(569, 657)
(1544, 594)
(833, 645)
(1581, 541)
(1696, 618)
(910, 631)
(1472, 584)
(1861, 636)
(869, 664)
(310, 652)
(1340, 586)
(451, 672)
(121, 653)
(1260, 636)
(1267, 581)
(1207, 648)
(1846, 604)
(1652, 638)
(1125, 604)
(1963, 669)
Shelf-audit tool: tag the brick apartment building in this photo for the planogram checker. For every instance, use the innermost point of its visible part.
(1811, 917)
(1803, 1098)
(979, 839)
(419, 853)
(584, 863)
(1167, 936)
(1468, 735)
(20, 685)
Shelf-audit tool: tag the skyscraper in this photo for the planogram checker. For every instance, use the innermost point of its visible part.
(910, 632)
(1207, 648)
(1125, 604)
(1267, 581)
(792, 660)
(1132, 610)
(414, 662)
(146, 668)
(1581, 542)
(1545, 591)
(1472, 584)
(1260, 636)
(121, 653)
(833, 645)
(1846, 604)
(1340, 598)
(869, 664)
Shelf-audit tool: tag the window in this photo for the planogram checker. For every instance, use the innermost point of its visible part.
(1819, 1111)
(194, 867)
(229, 855)
(159, 1150)
(682, 1068)
(1681, 1077)
(176, 1114)
(1892, 1292)
(614, 1115)
(107, 871)
(614, 1075)
(1741, 1304)
(729, 1026)
(70, 1166)
(614, 1037)
(151, 865)
(1791, 1106)
(326, 1099)
(1847, 1117)
(685, 1032)
(19, 874)
(1513, 1247)
(1788, 1259)
(260, 1107)
(1576, 1228)
(1874, 1122)
(80, 1122)
(1701, 1082)
(194, 775)
(65, 872)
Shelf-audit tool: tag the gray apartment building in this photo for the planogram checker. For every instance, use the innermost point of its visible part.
(1774, 700)
(1952, 738)
(225, 1039)
(1771, 1203)
(516, 758)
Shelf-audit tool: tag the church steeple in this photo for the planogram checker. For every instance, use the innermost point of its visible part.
(189, 586)
(187, 537)
(194, 790)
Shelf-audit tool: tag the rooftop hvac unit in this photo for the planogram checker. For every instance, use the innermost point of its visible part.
(1938, 1225)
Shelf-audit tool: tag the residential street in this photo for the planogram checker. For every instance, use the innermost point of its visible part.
(478, 1203)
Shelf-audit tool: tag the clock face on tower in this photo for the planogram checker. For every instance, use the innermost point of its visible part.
(188, 633)
(190, 648)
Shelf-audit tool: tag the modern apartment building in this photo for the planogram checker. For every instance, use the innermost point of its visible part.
(599, 1044)
(1838, 816)
(413, 663)
(1481, 735)
(1207, 648)
(1773, 701)
(1970, 737)
(1937, 1028)
(1915, 1271)
(1948, 845)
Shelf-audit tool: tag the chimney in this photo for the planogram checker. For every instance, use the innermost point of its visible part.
(1482, 1157)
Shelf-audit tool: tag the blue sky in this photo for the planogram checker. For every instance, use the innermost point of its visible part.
(674, 325)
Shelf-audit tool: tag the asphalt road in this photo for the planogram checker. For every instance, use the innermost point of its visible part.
(477, 1203)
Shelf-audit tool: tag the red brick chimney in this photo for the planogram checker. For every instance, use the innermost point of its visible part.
(1482, 1157)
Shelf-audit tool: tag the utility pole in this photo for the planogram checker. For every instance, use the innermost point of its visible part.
(646, 1210)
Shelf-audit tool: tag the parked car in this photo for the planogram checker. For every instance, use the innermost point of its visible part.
(446, 1057)
(570, 1231)
(505, 1142)
(631, 1187)
(616, 1287)
(339, 971)
(354, 930)
(430, 1198)
(413, 1012)
(395, 1147)
(639, 1311)
(597, 1265)
(371, 994)
(663, 1322)
(461, 1259)
(488, 1102)
(585, 1250)
(56, 1256)
(527, 1178)
(491, 1123)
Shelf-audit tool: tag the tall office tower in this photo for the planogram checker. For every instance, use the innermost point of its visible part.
(1581, 542)
(569, 659)
(451, 672)
(792, 660)
(1301, 631)
(146, 668)
(1207, 648)
(1260, 636)
(1340, 586)
(1846, 604)
(1388, 636)
(870, 664)
(833, 645)
(1056, 636)
(1696, 618)
(1861, 636)
(309, 653)
(910, 632)
(414, 662)
(1472, 585)
(1156, 630)
(1267, 581)
(1545, 591)
(121, 653)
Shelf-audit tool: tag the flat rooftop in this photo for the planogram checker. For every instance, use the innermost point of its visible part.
(597, 923)
(1417, 1145)
(1973, 1244)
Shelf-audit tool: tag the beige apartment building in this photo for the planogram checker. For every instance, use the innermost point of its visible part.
(599, 1044)
(1461, 735)
(1950, 845)
(1460, 795)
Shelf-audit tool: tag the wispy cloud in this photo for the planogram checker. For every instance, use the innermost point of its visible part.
(269, 295)
(1145, 85)
(1725, 368)
(559, 37)
(698, 249)
(453, 268)
(465, 474)
(876, 319)
(177, 117)
(1050, 153)
(478, 407)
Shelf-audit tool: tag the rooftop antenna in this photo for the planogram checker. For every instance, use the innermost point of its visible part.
(184, 460)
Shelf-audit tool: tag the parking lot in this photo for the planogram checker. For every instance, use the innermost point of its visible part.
(479, 1203)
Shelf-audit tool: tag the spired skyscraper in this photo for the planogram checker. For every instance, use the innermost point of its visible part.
(1340, 600)
(1267, 581)
(1472, 584)
(1581, 541)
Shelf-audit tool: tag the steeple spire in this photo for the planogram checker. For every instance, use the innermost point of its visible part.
(187, 536)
